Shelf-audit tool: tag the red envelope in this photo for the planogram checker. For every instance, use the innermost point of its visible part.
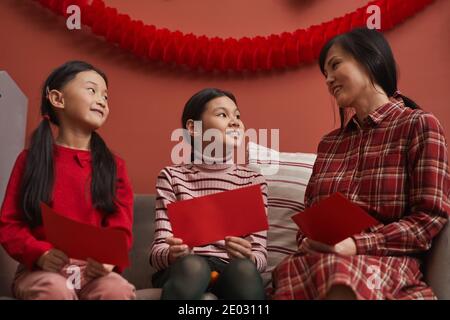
(82, 241)
(333, 219)
(211, 218)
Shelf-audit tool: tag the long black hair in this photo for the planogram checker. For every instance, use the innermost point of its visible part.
(196, 105)
(38, 178)
(370, 49)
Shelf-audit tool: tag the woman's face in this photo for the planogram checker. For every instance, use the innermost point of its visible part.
(85, 100)
(346, 78)
(223, 114)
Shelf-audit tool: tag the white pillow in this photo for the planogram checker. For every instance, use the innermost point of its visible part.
(287, 175)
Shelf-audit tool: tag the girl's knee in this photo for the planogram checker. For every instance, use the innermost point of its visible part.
(243, 268)
(119, 290)
(189, 278)
(59, 288)
(49, 286)
(240, 280)
(110, 287)
(191, 266)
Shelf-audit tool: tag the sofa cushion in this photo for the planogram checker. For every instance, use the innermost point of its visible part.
(287, 175)
(437, 265)
(148, 294)
(8, 268)
(139, 272)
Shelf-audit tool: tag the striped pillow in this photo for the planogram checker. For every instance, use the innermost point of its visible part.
(287, 175)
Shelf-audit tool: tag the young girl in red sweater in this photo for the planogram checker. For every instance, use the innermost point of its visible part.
(78, 176)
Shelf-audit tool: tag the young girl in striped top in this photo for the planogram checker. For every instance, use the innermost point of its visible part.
(184, 273)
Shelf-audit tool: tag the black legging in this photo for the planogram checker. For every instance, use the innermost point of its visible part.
(189, 277)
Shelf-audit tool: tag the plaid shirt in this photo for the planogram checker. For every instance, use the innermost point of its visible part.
(395, 166)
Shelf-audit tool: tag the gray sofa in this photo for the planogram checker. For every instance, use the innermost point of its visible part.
(436, 267)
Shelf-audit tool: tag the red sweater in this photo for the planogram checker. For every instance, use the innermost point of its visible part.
(71, 197)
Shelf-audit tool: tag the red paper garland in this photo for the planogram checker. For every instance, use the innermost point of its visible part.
(288, 49)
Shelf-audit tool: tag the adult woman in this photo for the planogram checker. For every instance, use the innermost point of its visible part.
(391, 159)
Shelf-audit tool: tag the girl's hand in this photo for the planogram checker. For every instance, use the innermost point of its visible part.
(96, 269)
(346, 247)
(176, 249)
(53, 260)
(239, 248)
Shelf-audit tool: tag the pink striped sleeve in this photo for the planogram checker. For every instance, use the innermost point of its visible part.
(159, 252)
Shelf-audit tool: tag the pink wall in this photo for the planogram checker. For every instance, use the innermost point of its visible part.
(146, 99)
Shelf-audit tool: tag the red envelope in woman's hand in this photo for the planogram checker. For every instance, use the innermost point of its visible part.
(211, 218)
(333, 219)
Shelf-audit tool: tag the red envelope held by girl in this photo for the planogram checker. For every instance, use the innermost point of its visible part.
(211, 218)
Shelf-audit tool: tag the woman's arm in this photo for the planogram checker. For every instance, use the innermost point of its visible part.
(429, 192)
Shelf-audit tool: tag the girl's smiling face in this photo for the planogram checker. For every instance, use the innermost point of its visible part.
(83, 101)
(222, 114)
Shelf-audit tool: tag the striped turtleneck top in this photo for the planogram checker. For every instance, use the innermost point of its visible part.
(182, 182)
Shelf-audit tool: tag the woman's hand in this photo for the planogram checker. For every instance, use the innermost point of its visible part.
(176, 249)
(346, 247)
(53, 260)
(239, 248)
(96, 269)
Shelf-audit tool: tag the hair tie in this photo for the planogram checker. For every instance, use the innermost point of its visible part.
(46, 117)
(397, 94)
